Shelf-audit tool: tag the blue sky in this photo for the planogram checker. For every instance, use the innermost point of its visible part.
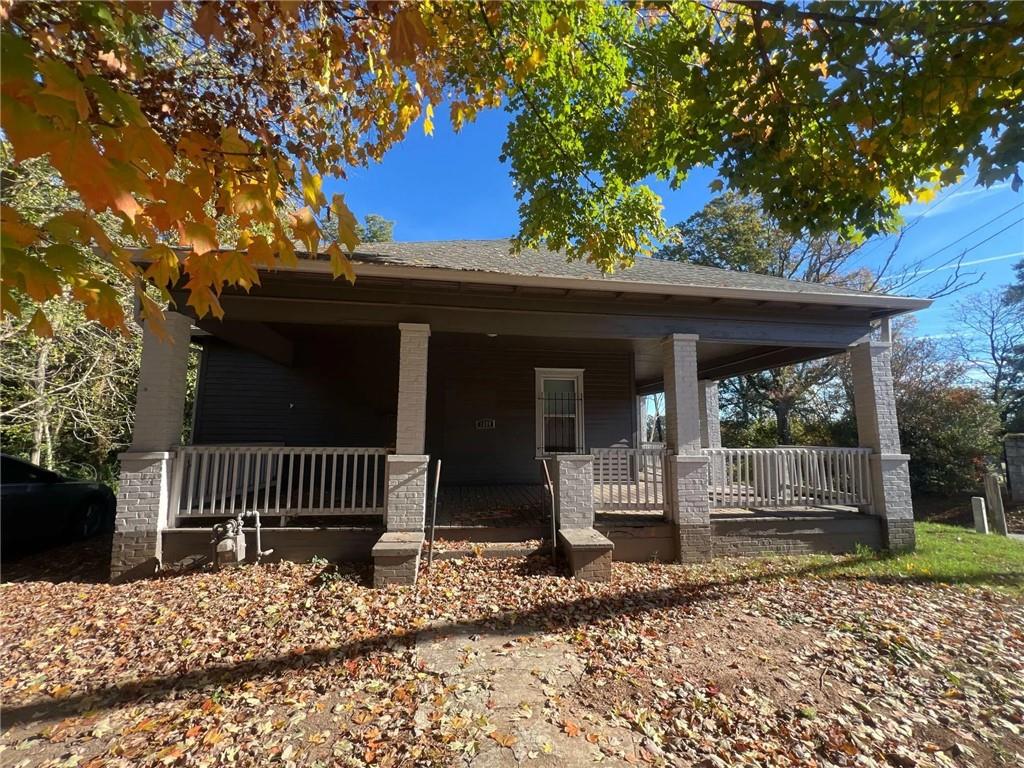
(452, 186)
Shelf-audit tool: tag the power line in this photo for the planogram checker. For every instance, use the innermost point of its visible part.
(930, 208)
(976, 229)
(966, 250)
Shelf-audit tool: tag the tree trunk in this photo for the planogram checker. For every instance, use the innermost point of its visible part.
(783, 426)
(42, 409)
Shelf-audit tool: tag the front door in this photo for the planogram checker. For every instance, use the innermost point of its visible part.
(559, 411)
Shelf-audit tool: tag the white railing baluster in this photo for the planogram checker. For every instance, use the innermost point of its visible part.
(781, 477)
(226, 481)
(629, 478)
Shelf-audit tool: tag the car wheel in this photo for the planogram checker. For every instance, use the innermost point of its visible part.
(90, 519)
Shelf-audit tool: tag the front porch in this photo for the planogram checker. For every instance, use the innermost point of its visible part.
(529, 430)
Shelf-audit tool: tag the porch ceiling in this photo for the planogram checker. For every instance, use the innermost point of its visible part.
(547, 312)
(720, 360)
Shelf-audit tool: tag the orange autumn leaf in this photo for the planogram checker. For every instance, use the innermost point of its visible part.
(39, 325)
(200, 237)
(13, 230)
(505, 739)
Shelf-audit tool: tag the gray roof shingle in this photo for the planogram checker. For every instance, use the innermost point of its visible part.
(494, 257)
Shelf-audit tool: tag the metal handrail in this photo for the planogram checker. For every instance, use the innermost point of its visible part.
(554, 512)
(433, 516)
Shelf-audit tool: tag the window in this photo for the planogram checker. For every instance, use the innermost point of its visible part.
(559, 410)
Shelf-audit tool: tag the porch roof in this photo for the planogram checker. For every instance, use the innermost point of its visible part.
(490, 261)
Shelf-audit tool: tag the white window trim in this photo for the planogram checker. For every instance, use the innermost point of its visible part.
(542, 374)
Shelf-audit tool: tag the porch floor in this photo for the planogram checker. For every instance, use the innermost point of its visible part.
(491, 506)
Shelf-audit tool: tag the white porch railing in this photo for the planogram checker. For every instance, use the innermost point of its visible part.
(629, 478)
(782, 477)
(224, 481)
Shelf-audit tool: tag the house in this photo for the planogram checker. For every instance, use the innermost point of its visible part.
(325, 408)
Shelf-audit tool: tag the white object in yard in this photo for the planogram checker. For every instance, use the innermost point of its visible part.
(980, 518)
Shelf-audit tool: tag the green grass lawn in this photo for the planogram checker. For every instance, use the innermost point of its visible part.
(945, 554)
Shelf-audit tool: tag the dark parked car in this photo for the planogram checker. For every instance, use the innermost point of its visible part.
(38, 506)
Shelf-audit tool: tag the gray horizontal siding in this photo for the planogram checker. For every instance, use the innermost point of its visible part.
(472, 378)
(342, 391)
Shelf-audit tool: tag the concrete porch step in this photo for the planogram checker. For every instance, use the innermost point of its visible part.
(455, 550)
(485, 533)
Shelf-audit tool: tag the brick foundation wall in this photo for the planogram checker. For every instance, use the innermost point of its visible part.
(754, 538)
(592, 566)
(588, 553)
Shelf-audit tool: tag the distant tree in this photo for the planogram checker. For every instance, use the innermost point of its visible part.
(988, 337)
(733, 232)
(376, 229)
(66, 399)
(947, 424)
(1014, 298)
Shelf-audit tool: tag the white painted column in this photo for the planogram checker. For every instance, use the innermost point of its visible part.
(682, 395)
(412, 389)
(406, 503)
(143, 495)
(710, 420)
(878, 429)
(711, 426)
(687, 468)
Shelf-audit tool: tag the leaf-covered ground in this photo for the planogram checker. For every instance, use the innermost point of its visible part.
(781, 662)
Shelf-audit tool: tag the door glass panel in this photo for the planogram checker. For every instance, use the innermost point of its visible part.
(559, 397)
(559, 409)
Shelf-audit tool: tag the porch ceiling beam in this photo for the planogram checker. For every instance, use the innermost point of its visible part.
(523, 322)
(254, 336)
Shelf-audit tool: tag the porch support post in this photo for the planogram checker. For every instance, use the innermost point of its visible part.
(686, 481)
(710, 421)
(878, 429)
(143, 495)
(406, 502)
(574, 490)
(412, 389)
(711, 427)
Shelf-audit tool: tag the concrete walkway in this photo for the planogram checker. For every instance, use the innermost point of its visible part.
(506, 694)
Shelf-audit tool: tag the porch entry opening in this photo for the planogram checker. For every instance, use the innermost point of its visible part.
(559, 411)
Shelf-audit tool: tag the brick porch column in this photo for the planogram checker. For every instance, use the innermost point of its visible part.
(878, 429)
(407, 469)
(574, 490)
(686, 482)
(142, 498)
(396, 556)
